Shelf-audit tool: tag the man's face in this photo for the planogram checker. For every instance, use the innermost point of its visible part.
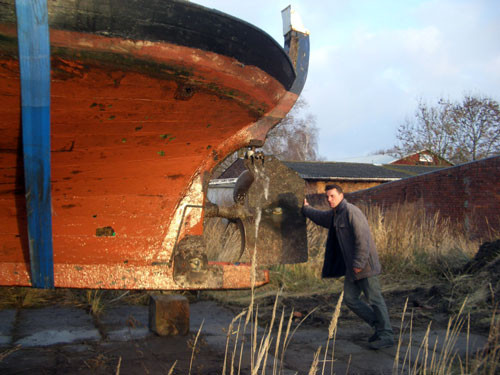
(334, 197)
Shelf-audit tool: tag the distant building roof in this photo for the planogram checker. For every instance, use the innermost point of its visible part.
(316, 170)
(356, 171)
(371, 159)
(421, 157)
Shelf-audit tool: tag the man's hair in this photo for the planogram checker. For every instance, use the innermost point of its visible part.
(334, 186)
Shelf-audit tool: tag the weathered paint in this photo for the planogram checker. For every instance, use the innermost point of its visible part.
(107, 171)
(34, 61)
(186, 217)
(132, 276)
(137, 127)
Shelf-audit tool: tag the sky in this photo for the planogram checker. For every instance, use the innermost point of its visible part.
(371, 61)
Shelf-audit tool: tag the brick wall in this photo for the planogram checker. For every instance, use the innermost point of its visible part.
(468, 194)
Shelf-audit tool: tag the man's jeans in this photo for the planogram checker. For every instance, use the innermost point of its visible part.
(375, 312)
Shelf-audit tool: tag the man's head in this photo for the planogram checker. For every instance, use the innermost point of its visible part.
(334, 195)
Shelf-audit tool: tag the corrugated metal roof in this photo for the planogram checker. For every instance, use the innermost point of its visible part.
(362, 171)
(316, 170)
(371, 159)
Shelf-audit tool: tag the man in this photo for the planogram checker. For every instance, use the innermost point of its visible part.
(350, 251)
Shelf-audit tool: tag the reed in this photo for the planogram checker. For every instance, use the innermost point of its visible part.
(314, 365)
(260, 348)
(261, 344)
(23, 297)
(118, 366)
(428, 360)
(411, 242)
(95, 302)
(171, 371)
(223, 240)
(194, 346)
(4, 354)
(332, 332)
(412, 246)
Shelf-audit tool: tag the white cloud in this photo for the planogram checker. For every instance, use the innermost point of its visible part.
(371, 61)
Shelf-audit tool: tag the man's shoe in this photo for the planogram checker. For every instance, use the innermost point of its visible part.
(373, 337)
(382, 343)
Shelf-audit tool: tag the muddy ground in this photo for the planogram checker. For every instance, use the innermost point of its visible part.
(56, 338)
(121, 343)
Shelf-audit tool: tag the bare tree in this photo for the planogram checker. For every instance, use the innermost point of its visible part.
(295, 137)
(457, 131)
(430, 129)
(477, 128)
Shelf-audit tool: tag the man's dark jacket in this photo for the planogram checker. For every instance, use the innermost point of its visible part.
(349, 244)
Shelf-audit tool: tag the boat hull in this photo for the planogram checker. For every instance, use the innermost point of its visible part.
(138, 123)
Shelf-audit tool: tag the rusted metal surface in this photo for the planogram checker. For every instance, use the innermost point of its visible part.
(191, 264)
(268, 198)
(137, 127)
(133, 276)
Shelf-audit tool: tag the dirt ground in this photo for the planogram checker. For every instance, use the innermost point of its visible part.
(175, 355)
(155, 355)
(119, 342)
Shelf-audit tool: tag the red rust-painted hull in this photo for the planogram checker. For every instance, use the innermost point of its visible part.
(137, 126)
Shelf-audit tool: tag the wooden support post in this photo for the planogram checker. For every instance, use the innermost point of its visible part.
(169, 315)
(34, 61)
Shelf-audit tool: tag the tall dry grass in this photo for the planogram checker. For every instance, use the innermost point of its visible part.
(306, 277)
(428, 360)
(411, 242)
(223, 240)
(418, 249)
(411, 245)
(418, 357)
(415, 246)
(266, 348)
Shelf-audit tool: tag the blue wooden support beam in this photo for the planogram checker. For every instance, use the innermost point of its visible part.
(34, 61)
